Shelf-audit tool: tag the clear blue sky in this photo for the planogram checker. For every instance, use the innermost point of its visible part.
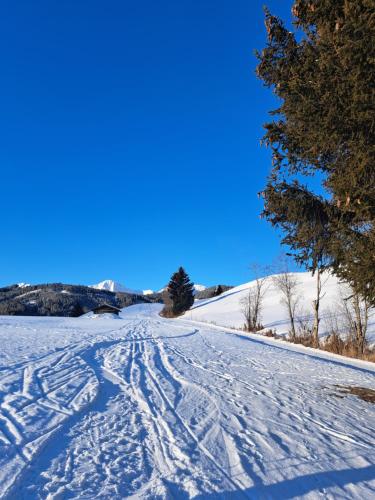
(130, 140)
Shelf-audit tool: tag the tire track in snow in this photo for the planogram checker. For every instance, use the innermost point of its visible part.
(170, 447)
(32, 394)
(112, 383)
(167, 374)
(159, 437)
(237, 459)
(288, 406)
(138, 437)
(244, 447)
(167, 456)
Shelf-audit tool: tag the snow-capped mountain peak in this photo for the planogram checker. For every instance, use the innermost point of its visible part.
(114, 286)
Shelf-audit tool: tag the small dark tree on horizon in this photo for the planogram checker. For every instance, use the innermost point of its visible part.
(179, 295)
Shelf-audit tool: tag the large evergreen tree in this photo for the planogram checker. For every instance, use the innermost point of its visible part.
(179, 295)
(324, 79)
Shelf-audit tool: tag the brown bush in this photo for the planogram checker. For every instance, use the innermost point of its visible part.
(269, 333)
(335, 343)
(167, 312)
(304, 338)
(347, 347)
(254, 329)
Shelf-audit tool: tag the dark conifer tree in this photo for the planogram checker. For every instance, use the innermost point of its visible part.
(324, 79)
(77, 310)
(179, 294)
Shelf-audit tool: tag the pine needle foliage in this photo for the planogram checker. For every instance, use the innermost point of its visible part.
(323, 75)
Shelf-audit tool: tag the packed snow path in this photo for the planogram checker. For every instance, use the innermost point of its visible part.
(143, 407)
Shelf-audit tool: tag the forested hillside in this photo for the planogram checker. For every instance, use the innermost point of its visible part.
(58, 299)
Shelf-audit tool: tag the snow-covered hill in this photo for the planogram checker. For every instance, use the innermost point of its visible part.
(226, 309)
(115, 286)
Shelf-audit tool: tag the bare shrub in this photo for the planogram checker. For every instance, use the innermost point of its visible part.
(269, 333)
(251, 304)
(288, 285)
(342, 330)
(304, 330)
(355, 313)
(334, 343)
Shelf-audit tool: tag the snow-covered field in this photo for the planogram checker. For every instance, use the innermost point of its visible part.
(145, 407)
(226, 309)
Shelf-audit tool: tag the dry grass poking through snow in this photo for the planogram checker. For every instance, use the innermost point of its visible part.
(362, 392)
(333, 343)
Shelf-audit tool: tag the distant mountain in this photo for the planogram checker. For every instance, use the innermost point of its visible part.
(115, 286)
(57, 299)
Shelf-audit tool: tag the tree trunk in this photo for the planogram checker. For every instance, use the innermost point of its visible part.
(360, 334)
(291, 317)
(316, 304)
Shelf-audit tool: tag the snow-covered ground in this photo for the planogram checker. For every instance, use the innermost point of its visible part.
(144, 407)
(226, 309)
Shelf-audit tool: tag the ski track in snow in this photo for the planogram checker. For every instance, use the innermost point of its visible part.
(144, 407)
